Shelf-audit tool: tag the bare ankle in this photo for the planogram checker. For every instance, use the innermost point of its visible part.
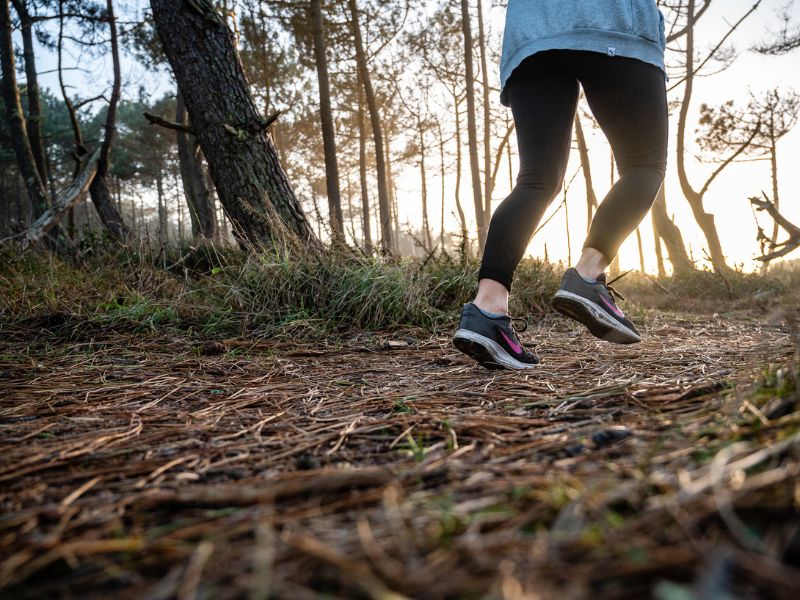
(591, 264)
(492, 297)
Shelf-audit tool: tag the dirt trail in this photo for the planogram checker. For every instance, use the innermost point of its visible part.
(383, 466)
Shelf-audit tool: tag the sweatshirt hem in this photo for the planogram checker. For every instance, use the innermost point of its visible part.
(610, 43)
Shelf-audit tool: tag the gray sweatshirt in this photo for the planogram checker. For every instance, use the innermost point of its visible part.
(630, 28)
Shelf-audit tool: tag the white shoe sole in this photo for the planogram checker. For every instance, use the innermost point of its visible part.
(598, 321)
(486, 351)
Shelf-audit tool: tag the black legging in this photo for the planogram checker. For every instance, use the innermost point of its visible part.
(628, 99)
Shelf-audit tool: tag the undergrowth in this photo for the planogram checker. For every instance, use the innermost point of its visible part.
(228, 292)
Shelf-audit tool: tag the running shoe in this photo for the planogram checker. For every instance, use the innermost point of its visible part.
(492, 341)
(593, 304)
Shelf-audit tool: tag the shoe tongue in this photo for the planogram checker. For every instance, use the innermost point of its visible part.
(601, 278)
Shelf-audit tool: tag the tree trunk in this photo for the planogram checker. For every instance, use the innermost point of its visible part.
(669, 232)
(773, 162)
(247, 174)
(26, 163)
(426, 228)
(662, 272)
(613, 269)
(198, 197)
(442, 174)
(583, 152)
(488, 181)
(387, 235)
(326, 118)
(695, 199)
(641, 249)
(34, 125)
(162, 211)
(99, 190)
(366, 227)
(459, 209)
(472, 128)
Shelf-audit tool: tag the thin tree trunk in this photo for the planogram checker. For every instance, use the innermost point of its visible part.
(662, 272)
(773, 162)
(472, 128)
(392, 199)
(695, 199)
(366, 227)
(442, 173)
(487, 121)
(459, 209)
(162, 211)
(247, 174)
(510, 163)
(426, 228)
(198, 196)
(583, 153)
(641, 249)
(566, 226)
(613, 269)
(669, 232)
(99, 190)
(326, 118)
(387, 235)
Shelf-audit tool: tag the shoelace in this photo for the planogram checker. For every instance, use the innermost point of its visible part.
(517, 330)
(611, 290)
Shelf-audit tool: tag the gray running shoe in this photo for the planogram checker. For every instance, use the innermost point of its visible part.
(593, 305)
(492, 341)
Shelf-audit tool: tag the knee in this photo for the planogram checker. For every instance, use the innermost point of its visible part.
(651, 172)
(539, 184)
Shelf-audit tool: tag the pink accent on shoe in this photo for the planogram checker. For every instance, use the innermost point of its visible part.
(613, 308)
(515, 347)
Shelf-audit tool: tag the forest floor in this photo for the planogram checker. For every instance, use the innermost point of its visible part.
(147, 465)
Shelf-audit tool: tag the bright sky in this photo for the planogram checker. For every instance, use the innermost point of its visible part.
(727, 198)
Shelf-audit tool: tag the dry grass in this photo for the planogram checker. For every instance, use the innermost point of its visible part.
(388, 466)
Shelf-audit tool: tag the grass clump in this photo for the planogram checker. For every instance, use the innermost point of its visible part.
(265, 293)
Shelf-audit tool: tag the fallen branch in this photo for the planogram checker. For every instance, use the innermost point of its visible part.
(63, 202)
(312, 482)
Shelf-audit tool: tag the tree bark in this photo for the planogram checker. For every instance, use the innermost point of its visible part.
(63, 202)
(693, 197)
(34, 121)
(487, 121)
(366, 227)
(162, 210)
(426, 228)
(773, 163)
(472, 127)
(247, 174)
(442, 174)
(26, 162)
(198, 197)
(669, 232)
(459, 209)
(662, 272)
(387, 235)
(326, 118)
(99, 190)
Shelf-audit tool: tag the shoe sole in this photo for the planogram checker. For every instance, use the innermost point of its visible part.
(487, 352)
(597, 321)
